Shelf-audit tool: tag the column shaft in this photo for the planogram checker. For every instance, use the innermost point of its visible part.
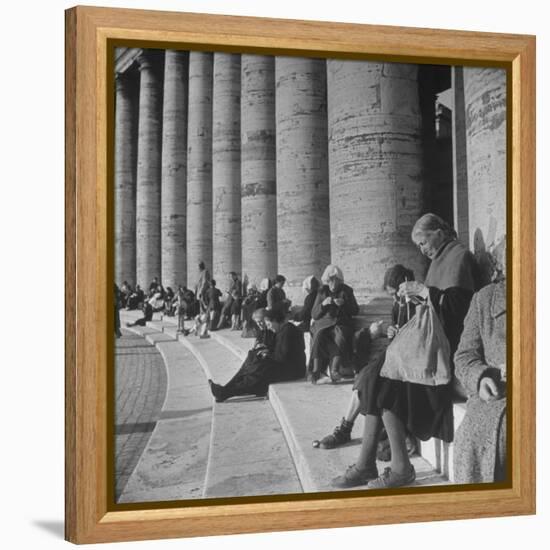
(174, 170)
(149, 167)
(199, 165)
(375, 168)
(485, 104)
(126, 103)
(258, 187)
(303, 229)
(226, 167)
(460, 158)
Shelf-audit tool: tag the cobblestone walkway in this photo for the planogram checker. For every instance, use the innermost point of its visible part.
(140, 390)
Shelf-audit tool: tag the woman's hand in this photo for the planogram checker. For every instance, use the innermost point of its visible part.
(327, 301)
(489, 390)
(339, 301)
(413, 288)
(392, 332)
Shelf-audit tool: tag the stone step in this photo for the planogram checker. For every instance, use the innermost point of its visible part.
(308, 412)
(174, 462)
(248, 451)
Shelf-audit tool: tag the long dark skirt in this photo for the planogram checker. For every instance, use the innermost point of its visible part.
(252, 378)
(330, 342)
(426, 411)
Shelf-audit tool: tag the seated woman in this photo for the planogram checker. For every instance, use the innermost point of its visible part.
(310, 286)
(249, 306)
(403, 406)
(480, 360)
(135, 299)
(269, 361)
(332, 332)
(365, 382)
(157, 299)
(276, 297)
(147, 316)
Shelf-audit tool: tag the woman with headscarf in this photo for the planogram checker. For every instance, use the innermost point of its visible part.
(310, 286)
(424, 411)
(332, 333)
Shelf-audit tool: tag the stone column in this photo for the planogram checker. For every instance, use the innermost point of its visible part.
(126, 103)
(485, 104)
(149, 167)
(199, 165)
(375, 160)
(258, 188)
(460, 158)
(303, 229)
(226, 167)
(174, 170)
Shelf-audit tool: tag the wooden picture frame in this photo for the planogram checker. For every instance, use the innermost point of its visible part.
(89, 517)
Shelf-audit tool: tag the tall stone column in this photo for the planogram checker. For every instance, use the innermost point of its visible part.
(126, 103)
(485, 104)
(226, 167)
(375, 169)
(258, 187)
(303, 229)
(460, 158)
(199, 165)
(174, 170)
(149, 167)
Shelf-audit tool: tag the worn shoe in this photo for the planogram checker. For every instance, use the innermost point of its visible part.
(355, 477)
(323, 379)
(390, 479)
(340, 436)
(217, 391)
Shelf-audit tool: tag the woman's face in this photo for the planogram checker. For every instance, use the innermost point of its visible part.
(334, 284)
(391, 291)
(429, 241)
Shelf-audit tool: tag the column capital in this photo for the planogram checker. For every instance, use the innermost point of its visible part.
(150, 60)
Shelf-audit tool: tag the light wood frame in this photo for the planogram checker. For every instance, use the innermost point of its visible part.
(88, 29)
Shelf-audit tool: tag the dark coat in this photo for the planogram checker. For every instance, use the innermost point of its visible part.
(285, 361)
(303, 316)
(332, 331)
(481, 436)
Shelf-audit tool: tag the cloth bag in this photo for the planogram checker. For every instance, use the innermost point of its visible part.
(420, 352)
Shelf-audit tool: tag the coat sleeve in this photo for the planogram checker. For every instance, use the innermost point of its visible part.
(304, 314)
(452, 307)
(469, 358)
(319, 309)
(350, 305)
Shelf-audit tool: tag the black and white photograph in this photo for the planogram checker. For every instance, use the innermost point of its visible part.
(309, 275)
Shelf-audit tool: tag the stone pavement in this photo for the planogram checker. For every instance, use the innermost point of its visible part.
(173, 464)
(140, 386)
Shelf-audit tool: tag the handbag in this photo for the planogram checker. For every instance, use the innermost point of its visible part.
(420, 352)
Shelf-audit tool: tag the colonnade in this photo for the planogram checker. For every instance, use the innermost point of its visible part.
(264, 165)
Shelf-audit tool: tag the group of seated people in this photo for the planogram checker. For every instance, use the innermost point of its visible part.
(474, 324)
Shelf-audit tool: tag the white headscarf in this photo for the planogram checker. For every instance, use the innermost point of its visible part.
(330, 272)
(264, 285)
